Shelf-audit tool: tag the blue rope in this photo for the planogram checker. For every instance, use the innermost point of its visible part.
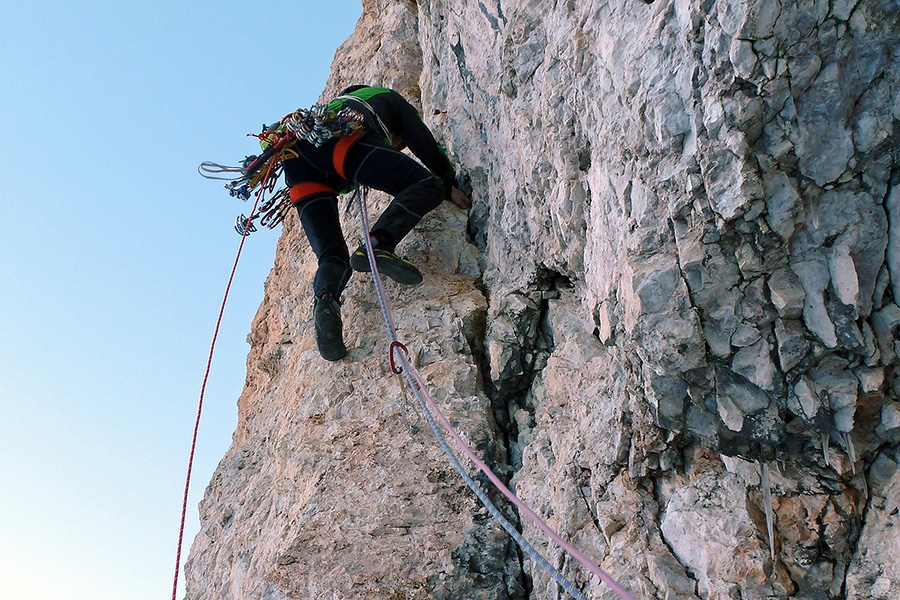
(567, 585)
(514, 533)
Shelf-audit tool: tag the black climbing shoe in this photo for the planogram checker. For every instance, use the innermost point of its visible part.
(329, 328)
(399, 269)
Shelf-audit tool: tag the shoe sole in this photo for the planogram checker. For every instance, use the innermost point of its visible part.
(400, 270)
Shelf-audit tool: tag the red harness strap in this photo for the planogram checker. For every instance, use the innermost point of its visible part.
(303, 190)
(340, 152)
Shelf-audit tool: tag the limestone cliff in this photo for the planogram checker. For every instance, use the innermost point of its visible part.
(675, 297)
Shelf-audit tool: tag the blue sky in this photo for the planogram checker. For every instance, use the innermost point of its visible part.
(114, 256)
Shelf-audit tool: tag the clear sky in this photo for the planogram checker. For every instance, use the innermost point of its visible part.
(114, 255)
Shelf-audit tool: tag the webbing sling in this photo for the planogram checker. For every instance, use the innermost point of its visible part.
(341, 149)
(303, 190)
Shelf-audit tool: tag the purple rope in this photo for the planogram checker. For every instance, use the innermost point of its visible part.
(524, 508)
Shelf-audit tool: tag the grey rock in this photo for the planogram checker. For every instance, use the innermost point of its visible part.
(755, 363)
(870, 351)
(844, 280)
(865, 243)
(744, 336)
(824, 151)
(793, 346)
(890, 421)
(870, 380)
(683, 247)
(832, 380)
(814, 276)
(667, 395)
(655, 288)
(743, 58)
(737, 399)
(807, 398)
(892, 205)
(874, 571)
(872, 117)
(884, 324)
(787, 294)
(783, 203)
(730, 413)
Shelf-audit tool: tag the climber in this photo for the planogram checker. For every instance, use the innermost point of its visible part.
(371, 158)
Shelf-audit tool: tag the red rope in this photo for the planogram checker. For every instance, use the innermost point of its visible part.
(212, 347)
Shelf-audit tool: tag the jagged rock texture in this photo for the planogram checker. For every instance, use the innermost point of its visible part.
(683, 262)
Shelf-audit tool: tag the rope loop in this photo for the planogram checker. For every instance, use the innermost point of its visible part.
(394, 368)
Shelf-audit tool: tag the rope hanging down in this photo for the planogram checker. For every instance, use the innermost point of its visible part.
(267, 175)
(428, 407)
(259, 174)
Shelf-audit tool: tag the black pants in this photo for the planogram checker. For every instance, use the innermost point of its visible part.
(370, 162)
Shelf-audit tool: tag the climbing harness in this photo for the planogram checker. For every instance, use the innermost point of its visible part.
(316, 125)
(431, 410)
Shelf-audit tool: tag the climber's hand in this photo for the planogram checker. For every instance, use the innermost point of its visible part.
(460, 199)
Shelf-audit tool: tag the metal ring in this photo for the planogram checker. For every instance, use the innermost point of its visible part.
(396, 370)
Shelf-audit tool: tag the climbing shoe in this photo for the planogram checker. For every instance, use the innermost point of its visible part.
(399, 269)
(329, 328)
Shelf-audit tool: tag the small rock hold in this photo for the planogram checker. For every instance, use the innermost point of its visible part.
(729, 413)
(755, 363)
(831, 379)
(843, 276)
(883, 322)
(786, 293)
(792, 343)
(813, 274)
(742, 58)
(870, 380)
(809, 400)
(890, 416)
(745, 335)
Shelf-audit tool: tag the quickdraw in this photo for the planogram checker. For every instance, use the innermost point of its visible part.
(271, 213)
(319, 124)
(260, 174)
(395, 344)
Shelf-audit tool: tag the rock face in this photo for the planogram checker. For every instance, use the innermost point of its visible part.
(682, 264)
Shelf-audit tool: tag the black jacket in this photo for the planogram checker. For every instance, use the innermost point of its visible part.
(388, 112)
